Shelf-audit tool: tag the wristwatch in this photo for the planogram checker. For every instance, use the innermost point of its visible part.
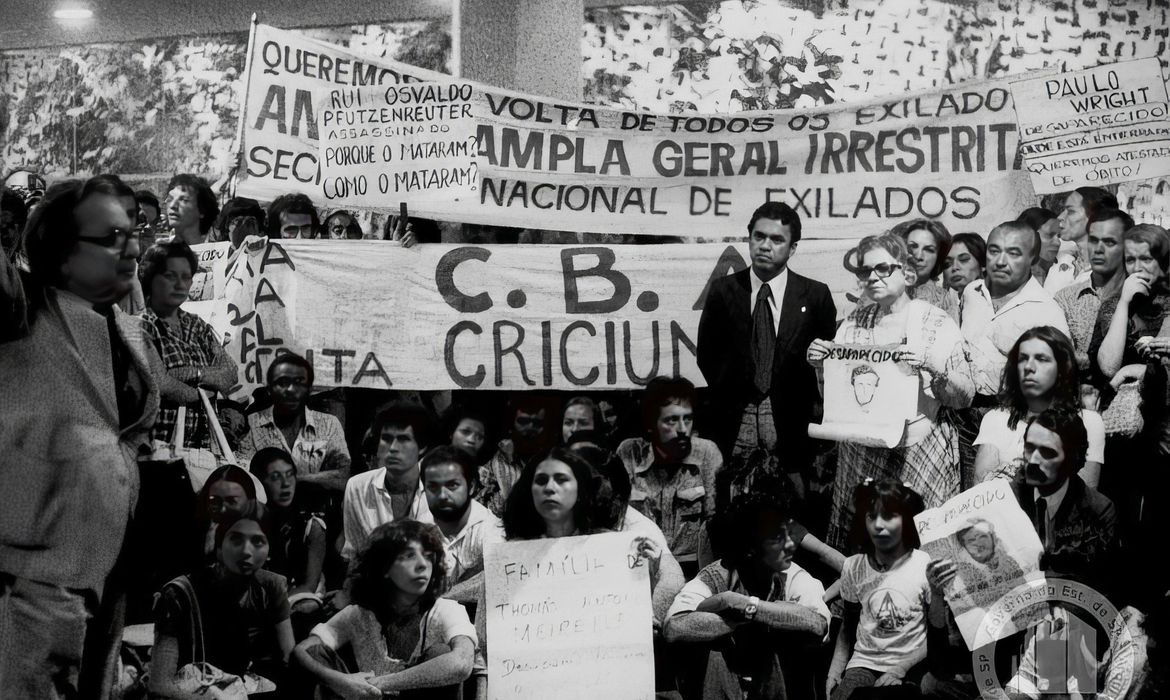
(753, 605)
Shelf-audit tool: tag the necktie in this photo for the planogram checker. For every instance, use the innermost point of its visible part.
(1042, 521)
(763, 340)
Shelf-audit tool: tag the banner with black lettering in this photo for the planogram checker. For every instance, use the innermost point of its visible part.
(374, 314)
(357, 131)
(1101, 126)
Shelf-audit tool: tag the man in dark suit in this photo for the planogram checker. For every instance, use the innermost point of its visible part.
(755, 328)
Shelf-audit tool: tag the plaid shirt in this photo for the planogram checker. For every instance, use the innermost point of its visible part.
(679, 502)
(193, 346)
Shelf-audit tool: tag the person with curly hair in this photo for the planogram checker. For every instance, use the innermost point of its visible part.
(190, 209)
(403, 637)
(756, 613)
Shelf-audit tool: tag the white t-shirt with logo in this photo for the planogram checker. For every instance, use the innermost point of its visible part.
(893, 609)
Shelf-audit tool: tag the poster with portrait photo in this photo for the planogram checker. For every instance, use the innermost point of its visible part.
(869, 396)
(994, 547)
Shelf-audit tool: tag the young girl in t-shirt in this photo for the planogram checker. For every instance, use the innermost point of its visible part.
(402, 636)
(883, 638)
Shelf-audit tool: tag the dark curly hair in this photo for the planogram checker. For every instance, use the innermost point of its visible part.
(386, 543)
(205, 199)
(738, 532)
(293, 203)
(884, 497)
(521, 519)
(1066, 393)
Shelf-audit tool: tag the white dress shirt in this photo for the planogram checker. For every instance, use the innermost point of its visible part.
(367, 505)
(778, 284)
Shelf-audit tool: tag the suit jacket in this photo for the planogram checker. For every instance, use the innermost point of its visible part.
(1083, 543)
(724, 353)
(68, 471)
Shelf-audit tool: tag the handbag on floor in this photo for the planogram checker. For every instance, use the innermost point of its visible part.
(199, 676)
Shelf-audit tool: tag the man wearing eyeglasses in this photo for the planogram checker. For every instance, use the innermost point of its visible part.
(999, 308)
(755, 327)
(79, 400)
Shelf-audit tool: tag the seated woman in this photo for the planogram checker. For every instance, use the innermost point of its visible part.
(755, 609)
(580, 413)
(467, 429)
(403, 638)
(233, 614)
(297, 550)
(932, 347)
(229, 493)
(1040, 373)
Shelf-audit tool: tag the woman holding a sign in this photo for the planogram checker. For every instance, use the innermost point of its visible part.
(897, 337)
(563, 495)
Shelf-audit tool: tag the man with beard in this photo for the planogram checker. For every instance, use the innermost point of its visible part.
(532, 431)
(672, 473)
(79, 399)
(447, 475)
(1076, 524)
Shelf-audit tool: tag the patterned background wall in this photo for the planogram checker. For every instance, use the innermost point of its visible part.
(171, 105)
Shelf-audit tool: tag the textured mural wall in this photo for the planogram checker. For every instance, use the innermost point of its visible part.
(171, 105)
(156, 107)
(768, 54)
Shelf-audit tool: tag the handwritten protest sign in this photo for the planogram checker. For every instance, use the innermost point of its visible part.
(207, 282)
(1100, 126)
(949, 154)
(569, 617)
(416, 143)
(869, 396)
(987, 535)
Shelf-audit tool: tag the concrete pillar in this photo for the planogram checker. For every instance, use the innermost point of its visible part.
(531, 46)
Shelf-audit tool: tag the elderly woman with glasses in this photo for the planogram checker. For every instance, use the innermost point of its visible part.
(191, 354)
(927, 457)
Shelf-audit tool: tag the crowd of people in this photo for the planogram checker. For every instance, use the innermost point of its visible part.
(331, 543)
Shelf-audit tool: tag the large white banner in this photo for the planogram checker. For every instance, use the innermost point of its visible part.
(848, 170)
(373, 314)
(569, 618)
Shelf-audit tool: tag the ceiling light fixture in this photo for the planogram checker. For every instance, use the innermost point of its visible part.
(73, 13)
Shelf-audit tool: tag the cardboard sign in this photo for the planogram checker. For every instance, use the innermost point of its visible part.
(416, 143)
(869, 396)
(1096, 127)
(539, 163)
(569, 617)
(987, 535)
